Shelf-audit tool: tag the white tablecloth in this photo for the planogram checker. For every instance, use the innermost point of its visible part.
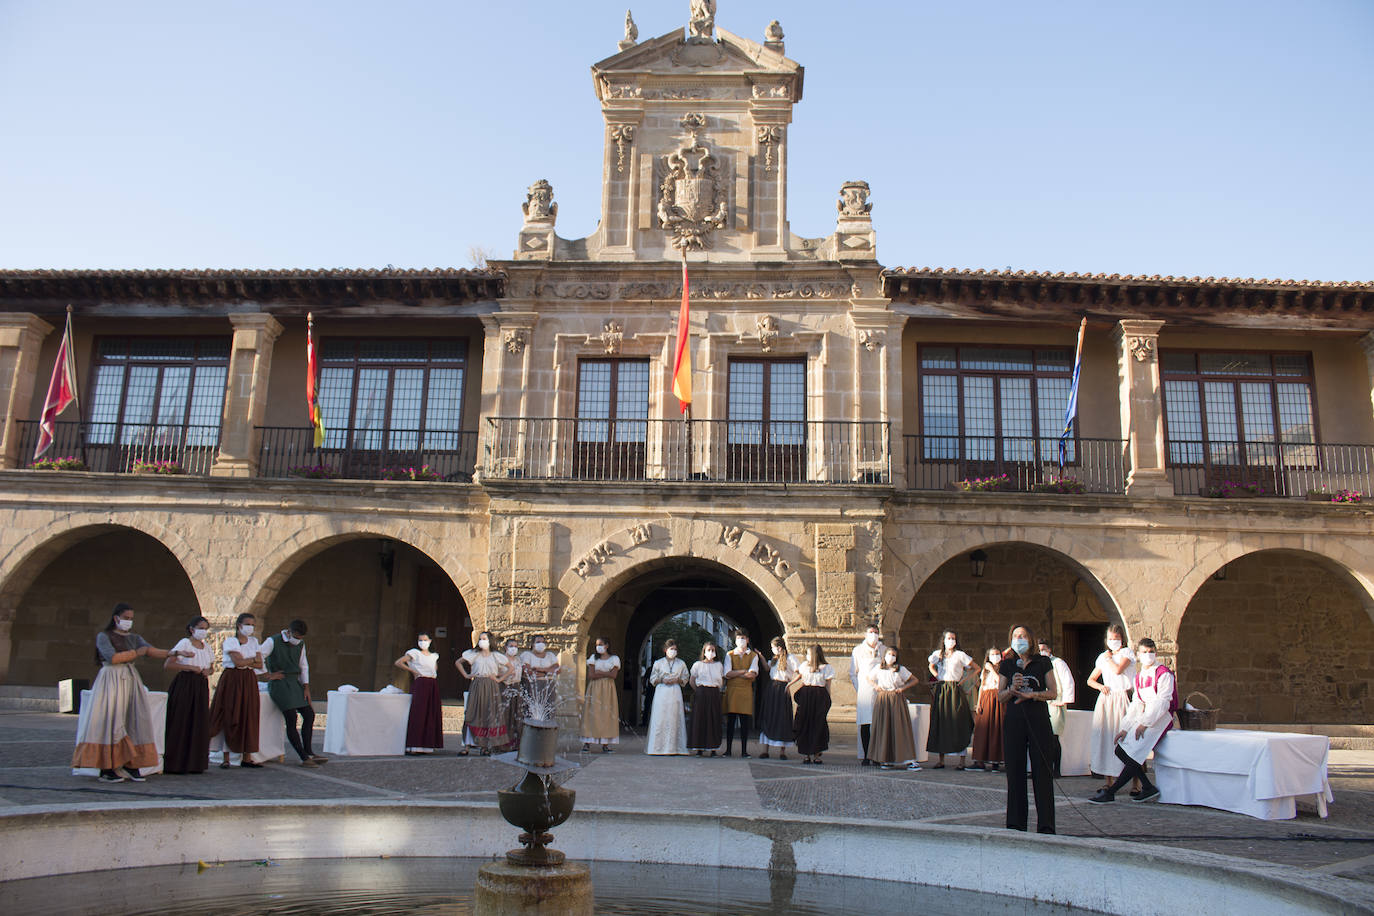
(1077, 743)
(366, 724)
(920, 728)
(157, 700)
(271, 733)
(1261, 774)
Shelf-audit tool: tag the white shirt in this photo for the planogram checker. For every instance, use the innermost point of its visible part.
(783, 672)
(812, 677)
(665, 668)
(950, 667)
(203, 658)
(541, 665)
(247, 647)
(708, 674)
(992, 679)
(753, 663)
(268, 645)
(422, 665)
(1151, 704)
(484, 665)
(1117, 683)
(605, 663)
(889, 678)
(860, 660)
(1063, 679)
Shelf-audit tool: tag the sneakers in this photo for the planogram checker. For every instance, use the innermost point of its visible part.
(110, 776)
(133, 774)
(913, 765)
(1147, 793)
(309, 763)
(1104, 796)
(974, 768)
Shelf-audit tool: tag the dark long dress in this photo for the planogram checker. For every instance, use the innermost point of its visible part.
(951, 721)
(186, 747)
(234, 711)
(987, 728)
(810, 727)
(704, 727)
(775, 713)
(425, 728)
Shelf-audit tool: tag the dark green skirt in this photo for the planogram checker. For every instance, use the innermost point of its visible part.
(951, 721)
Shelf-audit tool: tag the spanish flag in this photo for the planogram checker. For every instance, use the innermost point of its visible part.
(312, 381)
(61, 389)
(682, 362)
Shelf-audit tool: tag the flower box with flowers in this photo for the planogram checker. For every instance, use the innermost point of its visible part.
(1230, 489)
(157, 467)
(982, 484)
(314, 472)
(66, 463)
(424, 473)
(1070, 485)
(1345, 497)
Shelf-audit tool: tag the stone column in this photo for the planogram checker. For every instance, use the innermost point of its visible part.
(1367, 342)
(21, 338)
(245, 396)
(1142, 414)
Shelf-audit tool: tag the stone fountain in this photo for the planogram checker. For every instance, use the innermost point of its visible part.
(535, 879)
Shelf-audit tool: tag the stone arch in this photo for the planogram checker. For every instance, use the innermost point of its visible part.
(309, 540)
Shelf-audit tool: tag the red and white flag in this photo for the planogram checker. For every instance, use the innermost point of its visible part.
(61, 390)
(682, 359)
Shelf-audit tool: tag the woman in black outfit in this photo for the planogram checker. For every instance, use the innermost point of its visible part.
(1026, 685)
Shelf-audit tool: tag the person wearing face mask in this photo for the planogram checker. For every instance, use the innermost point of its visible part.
(541, 673)
(425, 725)
(186, 745)
(865, 657)
(119, 738)
(601, 707)
(1059, 706)
(775, 706)
(1113, 677)
(893, 742)
(667, 723)
(484, 727)
(951, 721)
(811, 725)
(707, 676)
(1025, 685)
(1150, 715)
(987, 717)
(288, 684)
(235, 709)
(742, 669)
(512, 695)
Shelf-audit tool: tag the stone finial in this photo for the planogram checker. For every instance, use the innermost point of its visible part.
(631, 33)
(853, 200)
(772, 37)
(539, 206)
(702, 23)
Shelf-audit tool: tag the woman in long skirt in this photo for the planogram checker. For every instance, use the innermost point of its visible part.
(236, 706)
(704, 731)
(540, 669)
(775, 707)
(119, 738)
(1112, 678)
(809, 725)
(987, 718)
(512, 695)
(186, 746)
(425, 726)
(892, 742)
(951, 721)
(483, 725)
(601, 706)
(667, 727)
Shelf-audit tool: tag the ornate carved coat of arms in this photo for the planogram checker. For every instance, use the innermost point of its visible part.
(692, 195)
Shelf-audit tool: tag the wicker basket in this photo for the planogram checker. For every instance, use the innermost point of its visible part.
(1198, 720)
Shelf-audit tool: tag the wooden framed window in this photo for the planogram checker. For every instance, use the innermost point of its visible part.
(612, 418)
(163, 391)
(397, 394)
(766, 420)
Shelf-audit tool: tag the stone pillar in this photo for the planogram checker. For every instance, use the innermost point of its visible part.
(21, 338)
(837, 586)
(245, 397)
(877, 368)
(505, 380)
(621, 179)
(1367, 342)
(1142, 414)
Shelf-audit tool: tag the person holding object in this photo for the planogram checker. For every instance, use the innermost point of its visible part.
(236, 706)
(483, 726)
(541, 672)
(1059, 706)
(186, 743)
(741, 670)
(951, 721)
(667, 722)
(810, 726)
(288, 684)
(601, 706)
(425, 725)
(892, 739)
(706, 678)
(512, 695)
(119, 737)
(775, 706)
(1025, 687)
(987, 717)
(862, 659)
(1150, 715)
(1113, 677)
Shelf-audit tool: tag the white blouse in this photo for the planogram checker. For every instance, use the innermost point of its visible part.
(708, 674)
(811, 677)
(992, 679)
(247, 647)
(422, 665)
(541, 665)
(665, 668)
(484, 665)
(514, 670)
(783, 672)
(950, 668)
(203, 658)
(1118, 683)
(605, 664)
(889, 678)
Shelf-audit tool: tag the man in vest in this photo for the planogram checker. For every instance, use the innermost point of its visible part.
(288, 683)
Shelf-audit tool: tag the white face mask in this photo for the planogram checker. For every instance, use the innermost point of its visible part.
(671, 653)
(871, 639)
(600, 650)
(286, 635)
(710, 655)
(951, 643)
(199, 633)
(123, 625)
(1020, 644)
(512, 651)
(1147, 658)
(483, 644)
(1047, 653)
(741, 643)
(1114, 644)
(246, 629)
(891, 659)
(424, 644)
(994, 657)
(540, 646)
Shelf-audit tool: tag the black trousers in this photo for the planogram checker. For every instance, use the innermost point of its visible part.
(1023, 732)
(865, 732)
(1130, 770)
(303, 748)
(730, 719)
(1056, 754)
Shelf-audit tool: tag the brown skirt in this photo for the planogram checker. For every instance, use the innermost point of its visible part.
(187, 745)
(425, 727)
(234, 711)
(601, 712)
(809, 724)
(891, 740)
(483, 725)
(987, 728)
(951, 721)
(703, 726)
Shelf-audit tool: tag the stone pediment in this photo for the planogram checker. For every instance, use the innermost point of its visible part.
(674, 55)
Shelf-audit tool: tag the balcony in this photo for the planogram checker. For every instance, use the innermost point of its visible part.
(722, 451)
(117, 448)
(1269, 469)
(366, 454)
(939, 462)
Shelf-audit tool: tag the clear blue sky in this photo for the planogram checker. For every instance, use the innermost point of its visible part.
(1208, 137)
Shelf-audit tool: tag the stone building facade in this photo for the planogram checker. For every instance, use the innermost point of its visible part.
(837, 404)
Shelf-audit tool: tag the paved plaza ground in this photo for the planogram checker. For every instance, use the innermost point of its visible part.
(35, 750)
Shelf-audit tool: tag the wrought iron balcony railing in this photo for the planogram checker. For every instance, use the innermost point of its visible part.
(811, 451)
(367, 454)
(940, 462)
(120, 448)
(1269, 469)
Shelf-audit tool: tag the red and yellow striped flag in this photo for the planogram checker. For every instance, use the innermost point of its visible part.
(682, 362)
(312, 386)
